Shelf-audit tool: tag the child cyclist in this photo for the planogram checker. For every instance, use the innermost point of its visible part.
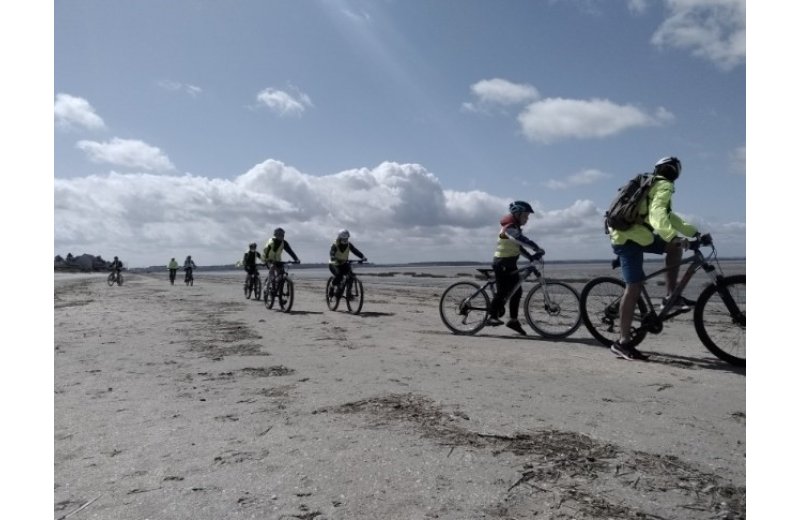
(339, 255)
(509, 248)
(273, 252)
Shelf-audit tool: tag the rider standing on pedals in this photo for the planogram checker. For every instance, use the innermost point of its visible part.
(274, 249)
(339, 255)
(250, 261)
(509, 248)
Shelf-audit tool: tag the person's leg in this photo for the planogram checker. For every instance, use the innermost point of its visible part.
(627, 306)
(674, 254)
(501, 289)
(513, 303)
(631, 256)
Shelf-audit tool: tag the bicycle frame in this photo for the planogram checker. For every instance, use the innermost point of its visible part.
(524, 273)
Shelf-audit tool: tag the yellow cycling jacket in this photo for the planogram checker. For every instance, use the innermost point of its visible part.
(656, 211)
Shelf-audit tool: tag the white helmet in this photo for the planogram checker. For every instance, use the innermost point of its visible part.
(343, 234)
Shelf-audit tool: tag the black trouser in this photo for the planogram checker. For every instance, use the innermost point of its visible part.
(250, 269)
(339, 271)
(172, 274)
(507, 277)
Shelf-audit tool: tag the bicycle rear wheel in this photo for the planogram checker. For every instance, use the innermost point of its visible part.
(330, 295)
(464, 308)
(719, 318)
(354, 295)
(599, 306)
(286, 294)
(553, 309)
(119, 279)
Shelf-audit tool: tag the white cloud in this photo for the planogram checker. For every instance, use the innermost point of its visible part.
(503, 92)
(556, 119)
(584, 177)
(637, 6)
(129, 153)
(396, 213)
(710, 29)
(72, 111)
(175, 86)
(284, 103)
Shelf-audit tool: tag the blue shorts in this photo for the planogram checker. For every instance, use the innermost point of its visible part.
(631, 257)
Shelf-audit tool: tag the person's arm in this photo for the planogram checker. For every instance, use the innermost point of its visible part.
(515, 234)
(333, 253)
(288, 249)
(663, 221)
(356, 252)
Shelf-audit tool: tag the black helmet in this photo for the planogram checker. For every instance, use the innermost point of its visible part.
(253, 244)
(279, 232)
(520, 206)
(668, 167)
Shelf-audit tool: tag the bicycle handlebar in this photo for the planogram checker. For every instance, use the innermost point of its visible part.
(701, 241)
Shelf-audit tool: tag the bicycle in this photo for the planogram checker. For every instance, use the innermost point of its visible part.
(189, 278)
(279, 287)
(719, 314)
(252, 284)
(551, 306)
(350, 287)
(115, 277)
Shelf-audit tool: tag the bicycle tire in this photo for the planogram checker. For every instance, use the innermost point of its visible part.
(458, 310)
(286, 294)
(269, 295)
(332, 301)
(258, 288)
(599, 306)
(354, 295)
(561, 318)
(110, 280)
(248, 287)
(722, 332)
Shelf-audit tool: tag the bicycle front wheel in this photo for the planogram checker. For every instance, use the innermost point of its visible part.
(719, 318)
(286, 295)
(330, 295)
(248, 288)
(600, 300)
(270, 293)
(258, 288)
(354, 296)
(110, 280)
(464, 308)
(553, 309)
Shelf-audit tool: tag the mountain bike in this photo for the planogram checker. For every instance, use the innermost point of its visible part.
(550, 307)
(189, 278)
(252, 285)
(114, 278)
(279, 287)
(349, 287)
(719, 314)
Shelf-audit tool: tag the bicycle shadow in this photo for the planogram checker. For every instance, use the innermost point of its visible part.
(709, 363)
(303, 313)
(373, 314)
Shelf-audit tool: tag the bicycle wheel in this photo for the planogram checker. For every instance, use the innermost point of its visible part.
(331, 299)
(248, 288)
(464, 307)
(119, 279)
(269, 294)
(191, 281)
(720, 320)
(110, 280)
(286, 294)
(599, 306)
(258, 288)
(354, 295)
(556, 316)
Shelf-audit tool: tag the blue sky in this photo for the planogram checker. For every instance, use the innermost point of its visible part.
(196, 127)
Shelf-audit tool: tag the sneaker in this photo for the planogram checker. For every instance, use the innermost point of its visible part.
(638, 354)
(622, 351)
(493, 322)
(681, 304)
(515, 326)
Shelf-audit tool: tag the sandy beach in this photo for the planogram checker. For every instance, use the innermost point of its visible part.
(176, 402)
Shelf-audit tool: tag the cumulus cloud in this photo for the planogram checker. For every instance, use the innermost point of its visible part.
(176, 86)
(129, 153)
(395, 212)
(284, 103)
(582, 178)
(503, 92)
(713, 30)
(556, 119)
(71, 111)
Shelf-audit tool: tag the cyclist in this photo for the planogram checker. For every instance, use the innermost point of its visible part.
(339, 254)
(509, 248)
(658, 232)
(173, 268)
(274, 249)
(116, 266)
(250, 261)
(188, 266)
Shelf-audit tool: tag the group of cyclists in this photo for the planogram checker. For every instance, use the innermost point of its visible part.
(658, 230)
(273, 256)
(188, 266)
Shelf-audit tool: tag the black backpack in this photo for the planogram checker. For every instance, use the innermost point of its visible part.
(623, 212)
